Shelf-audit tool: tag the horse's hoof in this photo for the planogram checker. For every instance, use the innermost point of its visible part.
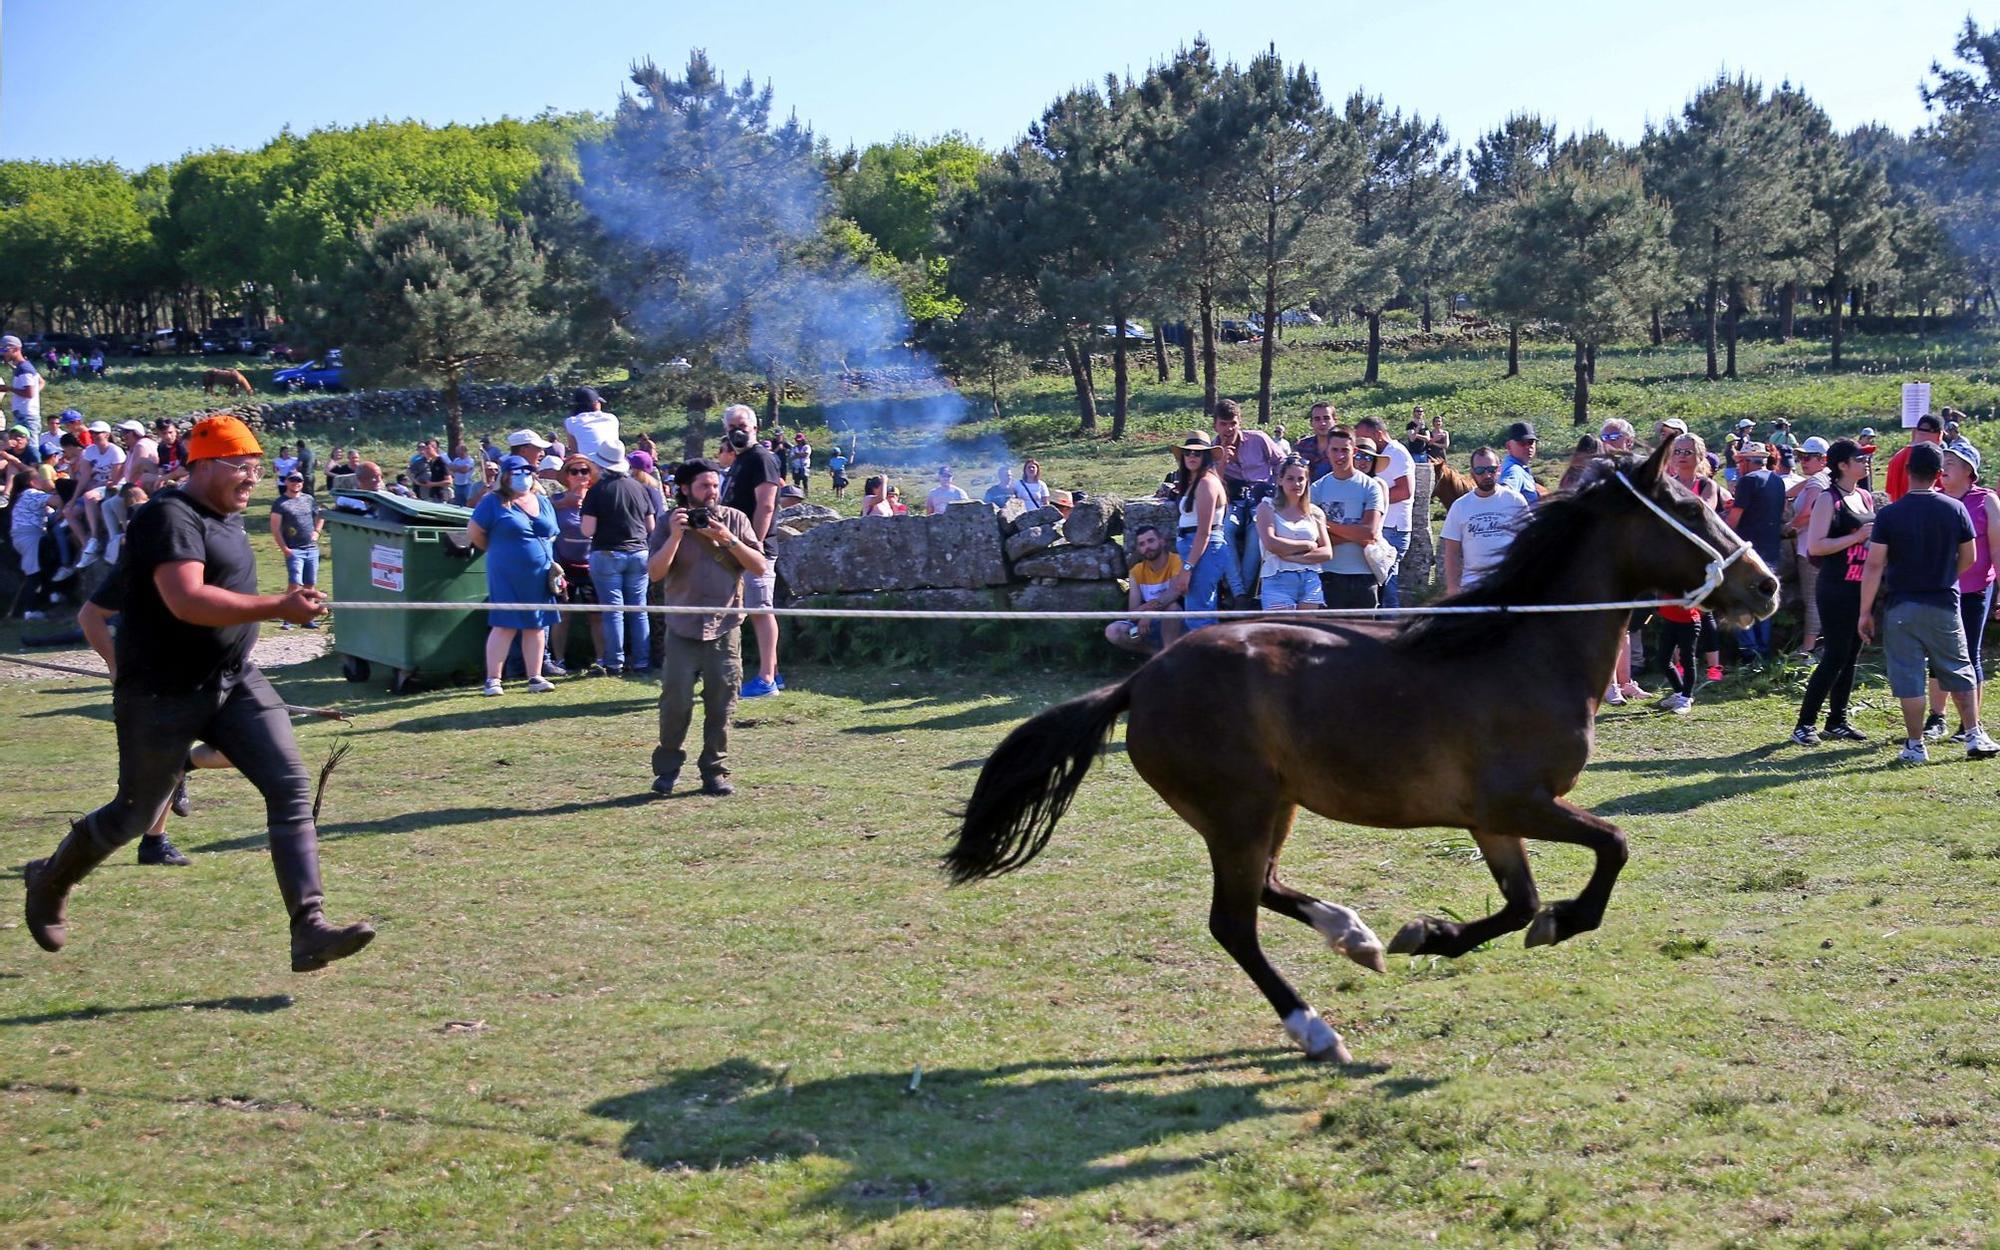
(1546, 930)
(1369, 957)
(1409, 939)
(1336, 1053)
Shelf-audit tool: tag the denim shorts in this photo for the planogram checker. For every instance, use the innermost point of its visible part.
(1921, 641)
(302, 566)
(1292, 588)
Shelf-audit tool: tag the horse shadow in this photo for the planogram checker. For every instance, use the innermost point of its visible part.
(439, 818)
(261, 1005)
(972, 1138)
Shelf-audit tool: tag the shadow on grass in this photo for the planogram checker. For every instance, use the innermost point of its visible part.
(441, 818)
(261, 1005)
(973, 1137)
(1730, 781)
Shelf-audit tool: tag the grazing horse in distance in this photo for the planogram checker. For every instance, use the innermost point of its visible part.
(1239, 725)
(227, 379)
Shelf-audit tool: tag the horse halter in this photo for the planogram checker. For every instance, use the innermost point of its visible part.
(1718, 564)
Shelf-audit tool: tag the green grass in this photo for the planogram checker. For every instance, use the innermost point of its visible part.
(591, 1019)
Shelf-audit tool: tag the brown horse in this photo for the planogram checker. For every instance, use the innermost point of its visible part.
(227, 379)
(1447, 484)
(1239, 725)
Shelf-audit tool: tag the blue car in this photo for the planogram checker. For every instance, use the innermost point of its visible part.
(311, 376)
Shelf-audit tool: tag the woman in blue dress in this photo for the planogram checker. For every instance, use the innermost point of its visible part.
(516, 528)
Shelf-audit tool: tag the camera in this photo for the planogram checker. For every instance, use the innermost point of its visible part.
(698, 518)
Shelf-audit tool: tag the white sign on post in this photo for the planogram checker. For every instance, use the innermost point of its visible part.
(1916, 402)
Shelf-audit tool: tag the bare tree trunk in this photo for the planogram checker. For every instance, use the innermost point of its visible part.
(1590, 363)
(1580, 412)
(1735, 317)
(1708, 313)
(1854, 302)
(1427, 312)
(1121, 385)
(1513, 349)
(1187, 352)
(1268, 354)
(1208, 393)
(454, 412)
(1086, 401)
(1788, 303)
(1160, 348)
(1836, 302)
(1373, 373)
(1659, 333)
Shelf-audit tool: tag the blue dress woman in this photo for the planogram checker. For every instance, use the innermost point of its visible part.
(516, 528)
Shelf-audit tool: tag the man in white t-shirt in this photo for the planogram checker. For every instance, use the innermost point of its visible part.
(945, 495)
(589, 425)
(104, 465)
(24, 389)
(1395, 468)
(1479, 526)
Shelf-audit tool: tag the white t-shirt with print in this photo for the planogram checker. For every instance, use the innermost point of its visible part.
(104, 460)
(1483, 529)
(1400, 464)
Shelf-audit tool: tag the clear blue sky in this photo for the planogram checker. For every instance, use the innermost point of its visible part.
(139, 81)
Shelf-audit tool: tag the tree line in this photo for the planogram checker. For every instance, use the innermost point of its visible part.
(702, 242)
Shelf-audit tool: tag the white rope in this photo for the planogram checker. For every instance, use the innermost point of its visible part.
(1718, 566)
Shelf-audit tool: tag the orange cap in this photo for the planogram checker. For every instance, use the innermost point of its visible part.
(219, 435)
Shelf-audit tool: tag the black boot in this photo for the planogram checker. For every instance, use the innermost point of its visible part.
(49, 881)
(315, 943)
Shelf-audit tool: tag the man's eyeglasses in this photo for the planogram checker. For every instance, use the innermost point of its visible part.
(252, 469)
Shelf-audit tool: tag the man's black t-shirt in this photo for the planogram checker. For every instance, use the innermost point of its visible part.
(621, 505)
(157, 651)
(1923, 531)
(439, 470)
(753, 468)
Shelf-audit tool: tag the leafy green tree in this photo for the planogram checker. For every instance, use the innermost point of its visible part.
(1847, 223)
(1585, 247)
(1504, 163)
(1402, 208)
(1966, 135)
(439, 298)
(1304, 160)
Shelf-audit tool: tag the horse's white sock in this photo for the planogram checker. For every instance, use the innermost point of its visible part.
(1314, 1035)
(1345, 931)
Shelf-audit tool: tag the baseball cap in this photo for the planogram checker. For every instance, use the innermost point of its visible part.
(1746, 424)
(295, 476)
(790, 492)
(220, 435)
(1521, 432)
(1964, 451)
(98, 427)
(549, 464)
(71, 416)
(583, 397)
(1675, 424)
(1930, 423)
(1814, 446)
(526, 438)
(514, 464)
(21, 430)
(131, 427)
(642, 461)
(1867, 432)
(8, 341)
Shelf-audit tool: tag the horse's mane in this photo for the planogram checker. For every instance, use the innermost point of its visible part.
(1540, 555)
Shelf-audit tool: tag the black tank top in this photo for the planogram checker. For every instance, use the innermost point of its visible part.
(1844, 565)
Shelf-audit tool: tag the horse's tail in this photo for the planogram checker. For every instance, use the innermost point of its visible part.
(1027, 784)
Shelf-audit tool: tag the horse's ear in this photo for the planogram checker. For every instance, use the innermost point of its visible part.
(1649, 472)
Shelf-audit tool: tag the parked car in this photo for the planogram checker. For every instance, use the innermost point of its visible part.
(1239, 332)
(312, 376)
(1135, 332)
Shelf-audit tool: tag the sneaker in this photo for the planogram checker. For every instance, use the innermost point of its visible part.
(717, 787)
(1634, 692)
(781, 681)
(32, 615)
(64, 573)
(1979, 744)
(1806, 736)
(1933, 727)
(1714, 673)
(1845, 732)
(86, 558)
(1613, 699)
(552, 669)
(310, 625)
(1958, 738)
(758, 688)
(595, 670)
(160, 853)
(92, 549)
(492, 686)
(1681, 705)
(1913, 753)
(284, 624)
(540, 685)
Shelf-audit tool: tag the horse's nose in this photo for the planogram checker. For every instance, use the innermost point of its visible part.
(1767, 586)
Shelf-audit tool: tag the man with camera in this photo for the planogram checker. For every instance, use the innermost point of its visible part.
(708, 548)
(750, 485)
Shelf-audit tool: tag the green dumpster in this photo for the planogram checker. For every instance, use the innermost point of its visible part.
(405, 551)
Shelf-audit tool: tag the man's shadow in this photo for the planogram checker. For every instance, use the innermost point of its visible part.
(975, 1137)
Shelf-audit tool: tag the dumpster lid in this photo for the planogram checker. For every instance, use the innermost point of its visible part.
(410, 511)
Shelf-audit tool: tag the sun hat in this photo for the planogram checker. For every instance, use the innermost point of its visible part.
(609, 455)
(1965, 451)
(219, 435)
(1197, 441)
(526, 438)
(1365, 446)
(549, 464)
(131, 427)
(1814, 446)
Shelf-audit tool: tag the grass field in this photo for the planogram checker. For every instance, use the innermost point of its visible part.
(592, 1019)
